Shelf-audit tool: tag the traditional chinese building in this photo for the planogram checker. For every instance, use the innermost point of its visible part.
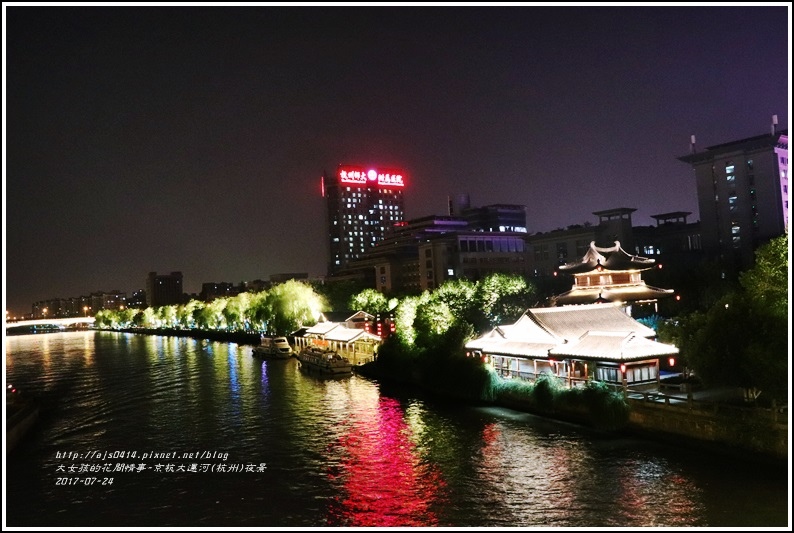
(350, 338)
(576, 343)
(609, 275)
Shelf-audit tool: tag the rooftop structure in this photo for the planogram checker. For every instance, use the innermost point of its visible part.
(609, 275)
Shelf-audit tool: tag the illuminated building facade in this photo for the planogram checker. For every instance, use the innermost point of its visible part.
(742, 189)
(362, 204)
(80, 305)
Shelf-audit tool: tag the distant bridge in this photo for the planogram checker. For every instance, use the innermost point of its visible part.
(62, 323)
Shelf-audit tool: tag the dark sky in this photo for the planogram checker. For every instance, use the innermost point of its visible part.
(143, 139)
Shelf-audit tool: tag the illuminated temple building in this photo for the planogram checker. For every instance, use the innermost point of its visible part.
(576, 343)
(609, 275)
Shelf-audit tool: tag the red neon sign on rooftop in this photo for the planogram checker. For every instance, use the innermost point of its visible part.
(363, 177)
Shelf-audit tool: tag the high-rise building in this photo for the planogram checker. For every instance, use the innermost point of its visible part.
(362, 204)
(165, 289)
(742, 189)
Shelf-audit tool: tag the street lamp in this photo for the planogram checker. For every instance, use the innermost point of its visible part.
(85, 310)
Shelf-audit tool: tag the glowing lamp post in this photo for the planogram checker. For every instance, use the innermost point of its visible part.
(85, 310)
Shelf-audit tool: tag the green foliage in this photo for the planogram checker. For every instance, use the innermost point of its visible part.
(103, 319)
(766, 284)
(404, 318)
(292, 305)
(600, 406)
(280, 311)
(370, 301)
(459, 296)
(433, 320)
(396, 360)
(545, 389)
(337, 293)
(608, 409)
(742, 340)
(501, 299)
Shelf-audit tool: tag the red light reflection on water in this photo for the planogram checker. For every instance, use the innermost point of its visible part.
(384, 481)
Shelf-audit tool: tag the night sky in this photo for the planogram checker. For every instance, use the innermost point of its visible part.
(142, 139)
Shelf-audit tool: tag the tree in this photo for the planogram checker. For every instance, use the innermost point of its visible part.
(235, 311)
(404, 318)
(292, 304)
(742, 340)
(766, 283)
(459, 295)
(369, 301)
(502, 298)
(259, 313)
(337, 293)
(185, 314)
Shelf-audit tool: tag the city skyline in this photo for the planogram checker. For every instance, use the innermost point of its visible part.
(193, 139)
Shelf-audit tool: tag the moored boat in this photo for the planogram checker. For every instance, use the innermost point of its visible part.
(324, 361)
(273, 348)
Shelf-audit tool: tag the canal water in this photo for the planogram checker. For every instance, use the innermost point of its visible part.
(148, 431)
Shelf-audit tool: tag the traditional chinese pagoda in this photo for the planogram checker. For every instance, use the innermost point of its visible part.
(609, 275)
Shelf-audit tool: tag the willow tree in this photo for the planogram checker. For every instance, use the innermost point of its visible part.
(293, 304)
(236, 310)
(258, 313)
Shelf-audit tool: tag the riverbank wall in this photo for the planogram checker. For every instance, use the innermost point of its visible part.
(239, 337)
(742, 432)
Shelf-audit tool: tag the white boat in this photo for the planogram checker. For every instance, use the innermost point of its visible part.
(273, 348)
(324, 361)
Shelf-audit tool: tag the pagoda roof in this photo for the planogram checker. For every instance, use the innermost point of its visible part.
(614, 258)
(625, 293)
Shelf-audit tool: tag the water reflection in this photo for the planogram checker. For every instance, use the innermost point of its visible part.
(381, 478)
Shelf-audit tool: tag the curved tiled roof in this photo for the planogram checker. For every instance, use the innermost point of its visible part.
(617, 346)
(572, 321)
(626, 293)
(594, 331)
(613, 258)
